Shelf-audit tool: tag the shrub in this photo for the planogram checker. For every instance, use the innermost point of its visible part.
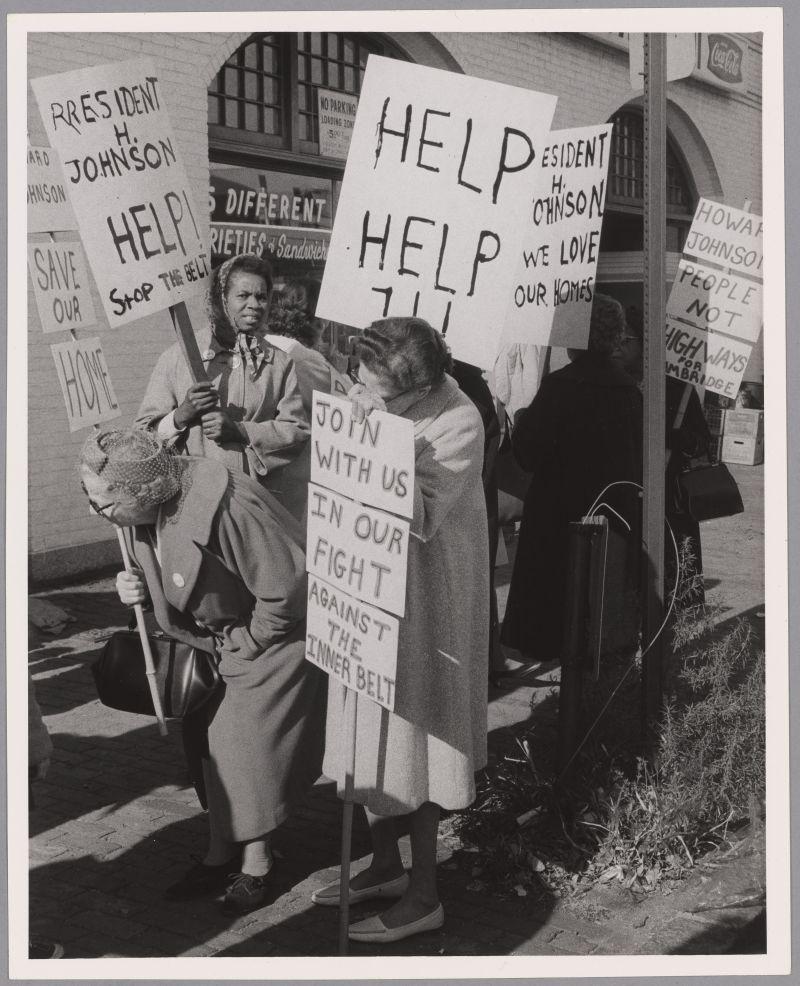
(625, 817)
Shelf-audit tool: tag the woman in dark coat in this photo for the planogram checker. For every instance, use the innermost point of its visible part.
(582, 431)
(687, 437)
(223, 566)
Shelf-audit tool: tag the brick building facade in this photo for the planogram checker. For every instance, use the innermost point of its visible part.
(244, 106)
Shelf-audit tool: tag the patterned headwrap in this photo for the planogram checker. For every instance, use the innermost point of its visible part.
(249, 345)
(135, 462)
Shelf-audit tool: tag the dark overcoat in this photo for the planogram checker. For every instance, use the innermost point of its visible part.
(582, 431)
(231, 576)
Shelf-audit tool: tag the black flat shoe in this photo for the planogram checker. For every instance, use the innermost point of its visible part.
(246, 893)
(202, 881)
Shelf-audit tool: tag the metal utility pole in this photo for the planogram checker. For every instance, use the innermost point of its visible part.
(655, 209)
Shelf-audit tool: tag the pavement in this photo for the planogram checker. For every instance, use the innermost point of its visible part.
(115, 821)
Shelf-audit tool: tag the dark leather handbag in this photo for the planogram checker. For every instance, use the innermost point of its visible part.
(708, 491)
(186, 677)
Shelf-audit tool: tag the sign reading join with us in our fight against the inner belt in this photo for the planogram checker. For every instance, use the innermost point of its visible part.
(358, 549)
(352, 641)
(371, 460)
(127, 184)
(437, 186)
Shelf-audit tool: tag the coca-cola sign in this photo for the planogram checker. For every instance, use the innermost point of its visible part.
(724, 58)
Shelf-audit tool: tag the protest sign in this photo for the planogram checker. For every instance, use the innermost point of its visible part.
(352, 641)
(716, 300)
(371, 461)
(359, 549)
(337, 114)
(706, 359)
(61, 285)
(49, 209)
(127, 185)
(85, 382)
(551, 297)
(432, 205)
(727, 237)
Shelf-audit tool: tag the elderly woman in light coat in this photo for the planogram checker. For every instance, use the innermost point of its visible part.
(422, 756)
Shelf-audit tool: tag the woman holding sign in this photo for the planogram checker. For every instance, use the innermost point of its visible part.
(422, 756)
(250, 414)
(223, 565)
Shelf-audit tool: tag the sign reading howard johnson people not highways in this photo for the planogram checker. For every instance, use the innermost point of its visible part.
(127, 185)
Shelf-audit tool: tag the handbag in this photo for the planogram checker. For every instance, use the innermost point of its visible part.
(186, 677)
(708, 491)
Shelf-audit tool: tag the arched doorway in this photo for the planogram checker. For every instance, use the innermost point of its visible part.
(620, 269)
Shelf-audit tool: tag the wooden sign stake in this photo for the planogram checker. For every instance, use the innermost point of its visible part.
(350, 716)
(149, 667)
(187, 341)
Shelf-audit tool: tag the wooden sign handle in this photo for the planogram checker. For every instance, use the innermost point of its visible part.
(149, 667)
(188, 342)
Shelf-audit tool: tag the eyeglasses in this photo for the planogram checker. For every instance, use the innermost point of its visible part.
(101, 511)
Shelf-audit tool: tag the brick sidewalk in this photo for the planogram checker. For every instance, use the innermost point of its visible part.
(115, 823)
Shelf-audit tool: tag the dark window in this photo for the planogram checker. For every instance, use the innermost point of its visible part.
(623, 224)
(266, 92)
(247, 93)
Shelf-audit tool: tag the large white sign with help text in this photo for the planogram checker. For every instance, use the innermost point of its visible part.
(127, 184)
(439, 178)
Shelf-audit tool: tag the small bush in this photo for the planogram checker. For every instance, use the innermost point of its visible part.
(625, 817)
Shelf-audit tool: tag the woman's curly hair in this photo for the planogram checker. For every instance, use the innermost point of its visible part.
(292, 311)
(408, 351)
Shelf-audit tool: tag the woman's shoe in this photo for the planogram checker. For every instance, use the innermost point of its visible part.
(329, 896)
(202, 880)
(246, 892)
(374, 930)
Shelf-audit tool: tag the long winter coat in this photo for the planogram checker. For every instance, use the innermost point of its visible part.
(267, 402)
(429, 748)
(582, 431)
(232, 575)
